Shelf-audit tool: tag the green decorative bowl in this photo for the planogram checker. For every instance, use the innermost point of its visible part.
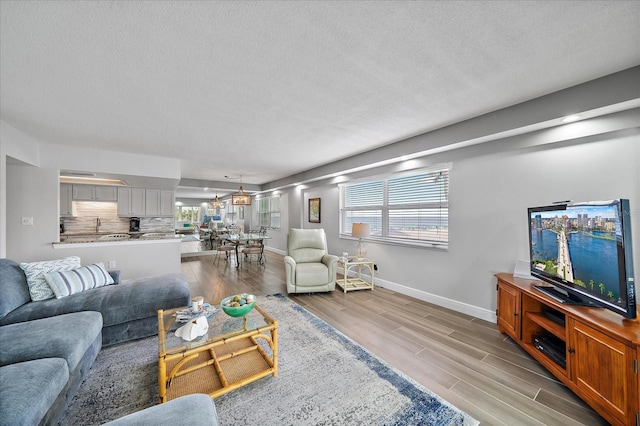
(238, 311)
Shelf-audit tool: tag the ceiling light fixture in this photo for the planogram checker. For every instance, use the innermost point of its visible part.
(240, 198)
(216, 204)
(571, 118)
(92, 180)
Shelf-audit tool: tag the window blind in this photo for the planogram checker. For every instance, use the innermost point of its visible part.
(407, 209)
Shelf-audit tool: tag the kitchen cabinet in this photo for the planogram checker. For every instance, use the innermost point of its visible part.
(595, 351)
(131, 202)
(66, 200)
(95, 193)
(159, 203)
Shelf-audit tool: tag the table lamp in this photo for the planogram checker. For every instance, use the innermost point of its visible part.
(360, 231)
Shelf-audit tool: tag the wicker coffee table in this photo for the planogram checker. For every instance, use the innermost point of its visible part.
(233, 353)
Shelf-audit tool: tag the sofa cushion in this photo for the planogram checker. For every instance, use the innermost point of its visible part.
(66, 283)
(311, 274)
(15, 290)
(193, 410)
(64, 336)
(307, 245)
(28, 389)
(38, 287)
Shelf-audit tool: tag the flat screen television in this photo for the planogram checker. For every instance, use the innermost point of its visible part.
(584, 251)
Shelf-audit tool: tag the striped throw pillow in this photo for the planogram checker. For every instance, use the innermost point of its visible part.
(66, 283)
(34, 271)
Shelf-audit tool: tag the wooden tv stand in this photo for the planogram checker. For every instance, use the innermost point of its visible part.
(600, 347)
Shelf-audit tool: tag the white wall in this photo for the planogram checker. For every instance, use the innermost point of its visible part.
(491, 187)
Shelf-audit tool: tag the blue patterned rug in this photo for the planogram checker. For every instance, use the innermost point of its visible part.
(324, 378)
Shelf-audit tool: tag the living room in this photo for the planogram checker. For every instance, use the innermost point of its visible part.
(603, 156)
(501, 160)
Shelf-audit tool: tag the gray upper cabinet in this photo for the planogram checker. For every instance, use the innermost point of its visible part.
(159, 203)
(66, 200)
(95, 193)
(106, 193)
(131, 202)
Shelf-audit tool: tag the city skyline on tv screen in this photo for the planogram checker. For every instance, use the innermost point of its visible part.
(579, 244)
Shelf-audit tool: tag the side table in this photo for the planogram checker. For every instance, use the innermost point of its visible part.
(355, 283)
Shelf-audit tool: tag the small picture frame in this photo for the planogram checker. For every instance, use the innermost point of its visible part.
(314, 210)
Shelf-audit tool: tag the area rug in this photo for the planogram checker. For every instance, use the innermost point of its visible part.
(324, 378)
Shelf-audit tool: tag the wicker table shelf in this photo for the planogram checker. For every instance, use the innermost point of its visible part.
(234, 353)
(355, 283)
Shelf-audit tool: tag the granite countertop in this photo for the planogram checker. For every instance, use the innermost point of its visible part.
(75, 237)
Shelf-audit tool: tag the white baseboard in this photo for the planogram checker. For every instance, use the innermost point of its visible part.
(455, 305)
(280, 252)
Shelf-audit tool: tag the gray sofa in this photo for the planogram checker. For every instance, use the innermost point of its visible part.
(48, 346)
(42, 363)
(192, 410)
(129, 309)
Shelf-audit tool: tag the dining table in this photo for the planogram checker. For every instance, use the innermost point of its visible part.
(245, 239)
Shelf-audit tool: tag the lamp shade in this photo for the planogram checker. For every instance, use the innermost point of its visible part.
(360, 230)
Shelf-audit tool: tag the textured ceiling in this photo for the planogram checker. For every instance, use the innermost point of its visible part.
(269, 89)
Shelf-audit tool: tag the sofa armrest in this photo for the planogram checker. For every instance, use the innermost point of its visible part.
(331, 261)
(290, 270)
(192, 410)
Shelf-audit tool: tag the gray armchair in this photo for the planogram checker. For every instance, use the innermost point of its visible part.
(309, 266)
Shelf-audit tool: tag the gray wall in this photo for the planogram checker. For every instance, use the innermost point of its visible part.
(491, 187)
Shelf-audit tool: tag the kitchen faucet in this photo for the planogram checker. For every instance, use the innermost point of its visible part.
(98, 225)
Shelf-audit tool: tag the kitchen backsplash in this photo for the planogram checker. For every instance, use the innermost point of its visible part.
(87, 213)
(157, 224)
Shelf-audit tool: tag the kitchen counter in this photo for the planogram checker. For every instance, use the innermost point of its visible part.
(134, 237)
(131, 234)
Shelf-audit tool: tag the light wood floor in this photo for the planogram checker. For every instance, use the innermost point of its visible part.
(463, 359)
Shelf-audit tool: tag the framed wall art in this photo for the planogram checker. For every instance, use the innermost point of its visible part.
(314, 210)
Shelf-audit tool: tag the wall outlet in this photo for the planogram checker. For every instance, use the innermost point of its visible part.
(375, 267)
(111, 264)
(27, 221)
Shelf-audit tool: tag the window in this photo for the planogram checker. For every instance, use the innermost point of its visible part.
(188, 214)
(269, 212)
(410, 209)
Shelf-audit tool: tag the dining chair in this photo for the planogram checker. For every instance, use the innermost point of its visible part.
(229, 250)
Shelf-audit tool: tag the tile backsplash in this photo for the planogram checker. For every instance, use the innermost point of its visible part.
(87, 213)
(156, 224)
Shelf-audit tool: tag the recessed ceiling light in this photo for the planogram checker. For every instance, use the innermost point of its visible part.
(571, 118)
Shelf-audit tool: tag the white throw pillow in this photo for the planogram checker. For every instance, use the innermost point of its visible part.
(38, 287)
(66, 283)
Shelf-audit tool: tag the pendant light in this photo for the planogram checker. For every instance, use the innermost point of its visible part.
(241, 198)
